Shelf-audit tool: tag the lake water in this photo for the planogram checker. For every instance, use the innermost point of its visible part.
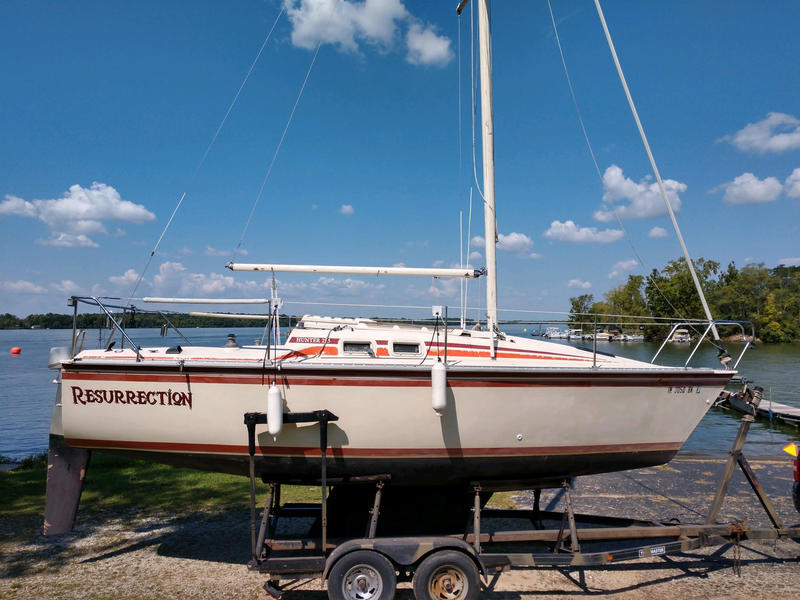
(27, 392)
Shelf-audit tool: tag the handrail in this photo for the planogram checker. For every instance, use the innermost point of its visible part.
(710, 325)
(114, 321)
(95, 300)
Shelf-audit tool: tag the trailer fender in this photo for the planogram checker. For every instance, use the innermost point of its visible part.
(404, 551)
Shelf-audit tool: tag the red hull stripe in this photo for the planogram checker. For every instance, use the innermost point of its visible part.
(454, 380)
(385, 453)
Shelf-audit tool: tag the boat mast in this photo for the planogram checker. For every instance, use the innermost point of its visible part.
(487, 140)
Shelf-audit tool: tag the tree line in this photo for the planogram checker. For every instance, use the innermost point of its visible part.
(769, 298)
(129, 320)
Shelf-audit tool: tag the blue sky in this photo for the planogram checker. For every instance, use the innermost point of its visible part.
(107, 109)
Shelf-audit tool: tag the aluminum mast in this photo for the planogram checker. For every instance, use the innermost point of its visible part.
(487, 141)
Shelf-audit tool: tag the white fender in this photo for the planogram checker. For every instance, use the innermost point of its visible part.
(274, 410)
(439, 387)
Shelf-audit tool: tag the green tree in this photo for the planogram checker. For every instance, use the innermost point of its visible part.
(580, 307)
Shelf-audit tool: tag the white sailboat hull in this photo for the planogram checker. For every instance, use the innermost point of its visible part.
(515, 423)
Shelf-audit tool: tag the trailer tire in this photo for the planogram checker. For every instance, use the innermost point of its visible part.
(362, 575)
(446, 575)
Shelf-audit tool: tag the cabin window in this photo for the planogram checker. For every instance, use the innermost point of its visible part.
(405, 348)
(357, 347)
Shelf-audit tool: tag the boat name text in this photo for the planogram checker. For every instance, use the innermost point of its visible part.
(311, 340)
(152, 398)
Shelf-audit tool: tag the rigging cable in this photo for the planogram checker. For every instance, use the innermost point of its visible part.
(689, 262)
(277, 150)
(469, 233)
(597, 167)
(205, 154)
(472, 98)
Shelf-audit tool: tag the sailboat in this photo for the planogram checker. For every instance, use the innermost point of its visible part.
(422, 405)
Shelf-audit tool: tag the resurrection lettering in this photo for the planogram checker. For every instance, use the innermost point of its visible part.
(169, 398)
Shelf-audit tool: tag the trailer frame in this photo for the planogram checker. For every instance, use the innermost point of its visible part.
(304, 556)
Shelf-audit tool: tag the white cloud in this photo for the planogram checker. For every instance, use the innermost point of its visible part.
(515, 243)
(778, 132)
(342, 23)
(174, 278)
(347, 210)
(328, 288)
(443, 288)
(347, 24)
(129, 277)
(427, 48)
(80, 212)
(644, 197)
(23, 287)
(622, 267)
(657, 232)
(568, 231)
(789, 262)
(792, 184)
(66, 286)
(579, 283)
(475, 257)
(17, 206)
(399, 264)
(438, 263)
(67, 240)
(518, 243)
(749, 189)
(534, 255)
(345, 287)
(211, 251)
(99, 290)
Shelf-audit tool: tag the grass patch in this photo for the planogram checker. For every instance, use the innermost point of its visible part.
(120, 484)
(34, 461)
(503, 500)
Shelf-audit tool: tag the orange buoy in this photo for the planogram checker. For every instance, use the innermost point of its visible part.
(16, 350)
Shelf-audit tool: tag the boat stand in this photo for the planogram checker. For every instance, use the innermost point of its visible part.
(572, 540)
(323, 417)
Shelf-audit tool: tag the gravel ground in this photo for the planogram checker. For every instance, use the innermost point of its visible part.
(203, 555)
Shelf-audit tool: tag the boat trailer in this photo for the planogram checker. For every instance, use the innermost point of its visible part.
(459, 566)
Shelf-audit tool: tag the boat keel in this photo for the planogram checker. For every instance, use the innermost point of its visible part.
(66, 471)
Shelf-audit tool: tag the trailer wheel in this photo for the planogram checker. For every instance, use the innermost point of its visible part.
(362, 575)
(446, 575)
